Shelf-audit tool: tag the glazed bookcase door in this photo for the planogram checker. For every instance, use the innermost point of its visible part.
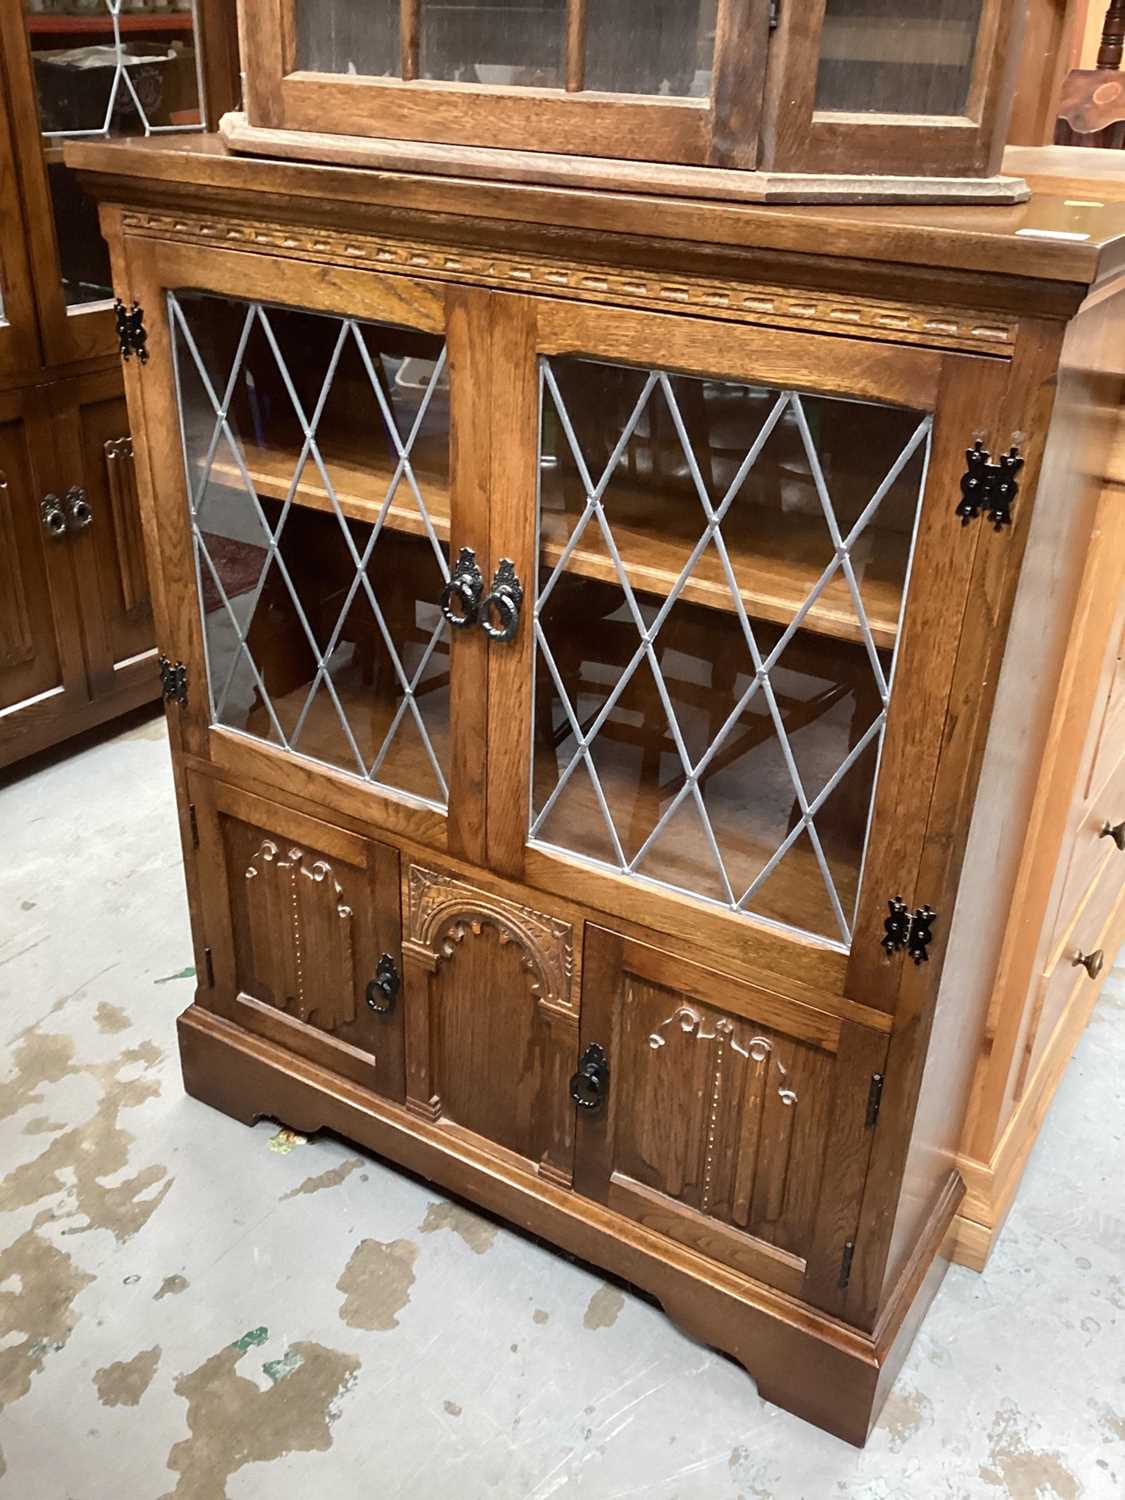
(726, 1119)
(889, 86)
(325, 424)
(301, 933)
(657, 80)
(745, 579)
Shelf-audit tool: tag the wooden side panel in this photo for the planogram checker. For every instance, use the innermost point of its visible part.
(492, 1018)
(729, 1132)
(298, 915)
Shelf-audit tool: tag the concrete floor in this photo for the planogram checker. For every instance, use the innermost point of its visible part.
(192, 1309)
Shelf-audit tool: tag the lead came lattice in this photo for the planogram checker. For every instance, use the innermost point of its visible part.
(347, 333)
(788, 406)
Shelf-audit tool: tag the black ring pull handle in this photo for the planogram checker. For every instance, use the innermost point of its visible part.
(465, 585)
(589, 1086)
(79, 513)
(1116, 832)
(505, 601)
(382, 992)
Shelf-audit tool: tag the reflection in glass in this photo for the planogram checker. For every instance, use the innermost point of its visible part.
(507, 43)
(897, 57)
(651, 46)
(317, 460)
(722, 575)
(339, 36)
(106, 68)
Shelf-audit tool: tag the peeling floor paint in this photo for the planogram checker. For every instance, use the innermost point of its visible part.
(171, 1286)
(376, 1283)
(477, 1233)
(604, 1307)
(233, 1422)
(319, 1334)
(330, 1179)
(124, 1383)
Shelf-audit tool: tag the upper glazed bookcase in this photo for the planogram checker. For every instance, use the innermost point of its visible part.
(768, 100)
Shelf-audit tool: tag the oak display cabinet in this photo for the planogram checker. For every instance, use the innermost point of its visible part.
(828, 100)
(582, 618)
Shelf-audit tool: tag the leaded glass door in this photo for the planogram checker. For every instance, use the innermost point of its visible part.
(745, 572)
(325, 431)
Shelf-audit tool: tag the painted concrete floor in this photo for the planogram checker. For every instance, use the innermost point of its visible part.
(189, 1308)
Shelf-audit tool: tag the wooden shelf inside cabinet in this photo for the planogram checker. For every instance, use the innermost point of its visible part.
(98, 24)
(777, 557)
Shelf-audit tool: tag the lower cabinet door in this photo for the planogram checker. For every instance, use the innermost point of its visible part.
(302, 926)
(726, 1117)
(491, 1019)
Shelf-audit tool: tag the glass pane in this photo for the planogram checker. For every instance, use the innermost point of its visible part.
(509, 43)
(651, 46)
(897, 57)
(341, 36)
(106, 68)
(317, 459)
(722, 575)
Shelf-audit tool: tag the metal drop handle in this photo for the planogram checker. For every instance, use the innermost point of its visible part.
(589, 1086)
(465, 586)
(382, 992)
(1116, 832)
(505, 600)
(1093, 963)
(53, 516)
(79, 512)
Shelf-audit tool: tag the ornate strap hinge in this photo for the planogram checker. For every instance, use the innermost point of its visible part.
(910, 930)
(173, 681)
(990, 487)
(131, 335)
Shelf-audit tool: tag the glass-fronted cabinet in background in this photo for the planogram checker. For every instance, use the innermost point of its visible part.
(90, 69)
(837, 87)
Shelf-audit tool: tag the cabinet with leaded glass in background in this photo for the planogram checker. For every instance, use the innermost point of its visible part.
(580, 646)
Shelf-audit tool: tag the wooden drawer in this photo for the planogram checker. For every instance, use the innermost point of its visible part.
(1095, 930)
(1092, 847)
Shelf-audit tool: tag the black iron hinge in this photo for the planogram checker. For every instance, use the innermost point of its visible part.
(131, 335)
(173, 681)
(912, 930)
(846, 1264)
(193, 823)
(990, 487)
(874, 1100)
(210, 968)
(775, 14)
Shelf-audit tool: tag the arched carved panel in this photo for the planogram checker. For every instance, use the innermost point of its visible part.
(445, 911)
(301, 935)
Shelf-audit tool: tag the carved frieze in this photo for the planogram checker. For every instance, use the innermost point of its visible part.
(444, 912)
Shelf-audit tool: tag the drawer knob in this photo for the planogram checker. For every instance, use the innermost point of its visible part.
(1093, 963)
(1116, 832)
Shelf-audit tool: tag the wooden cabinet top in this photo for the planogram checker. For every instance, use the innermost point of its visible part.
(1055, 237)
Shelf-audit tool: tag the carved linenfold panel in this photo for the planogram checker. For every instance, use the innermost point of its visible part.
(16, 641)
(122, 475)
(721, 1115)
(444, 912)
(743, 301)
(301, 935)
